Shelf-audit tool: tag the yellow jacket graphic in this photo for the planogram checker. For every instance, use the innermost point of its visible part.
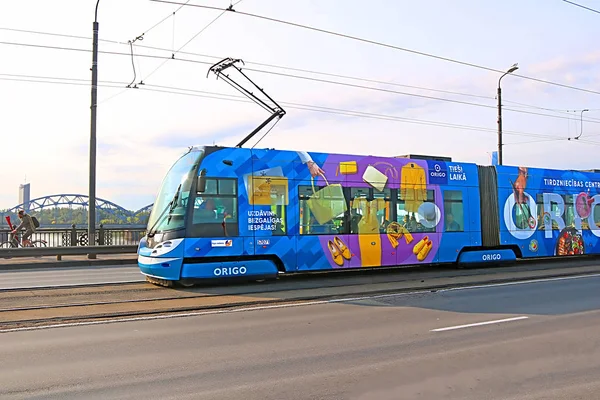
(413, 187)
(369, 238)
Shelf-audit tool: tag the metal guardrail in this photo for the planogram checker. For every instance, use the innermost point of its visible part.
(65, 251)
(74, 236)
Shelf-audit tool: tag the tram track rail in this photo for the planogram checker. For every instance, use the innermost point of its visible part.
(547, 262)
(285, 282)
(142, 287)
(39, 307)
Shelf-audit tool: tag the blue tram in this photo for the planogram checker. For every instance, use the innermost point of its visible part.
(225, 212)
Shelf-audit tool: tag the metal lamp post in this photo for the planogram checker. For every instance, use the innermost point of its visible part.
(510, 70)
(94, 106)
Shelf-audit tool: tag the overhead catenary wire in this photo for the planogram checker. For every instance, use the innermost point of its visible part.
(300, 106)
(222, 96)
(262, 64)
(515, 104)
(555, 110)
(463, 94)
(304, 78)
(381, 44)
(350, 113)
(186, 43)
(171, 15)
(407, 94)
(536, 141)
(382, 116)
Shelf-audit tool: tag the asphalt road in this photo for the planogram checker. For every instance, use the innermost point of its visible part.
(67, 276)
(425, 346)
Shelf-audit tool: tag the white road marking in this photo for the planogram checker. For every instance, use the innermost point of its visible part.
(498, 321)
(301, 304)
(523, 282)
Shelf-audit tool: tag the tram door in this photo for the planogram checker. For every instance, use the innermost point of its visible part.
(270, 212)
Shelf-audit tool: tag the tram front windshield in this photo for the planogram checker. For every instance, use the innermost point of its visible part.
(168, 211)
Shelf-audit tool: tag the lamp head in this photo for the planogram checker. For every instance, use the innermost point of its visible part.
(513, 68)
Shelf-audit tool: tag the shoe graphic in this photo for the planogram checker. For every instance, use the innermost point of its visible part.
(335, 253)
(425, 251)
(420, 244)
(342, 248)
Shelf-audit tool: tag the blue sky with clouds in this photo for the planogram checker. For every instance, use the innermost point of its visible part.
(142, 131)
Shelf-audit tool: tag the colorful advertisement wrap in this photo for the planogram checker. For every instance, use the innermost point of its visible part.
(321, 211)
(549, 212)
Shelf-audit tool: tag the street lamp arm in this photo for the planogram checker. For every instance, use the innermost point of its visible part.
(509, 71)
(96, 12)
(503, 75)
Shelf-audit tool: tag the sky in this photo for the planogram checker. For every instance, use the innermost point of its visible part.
(418, 104)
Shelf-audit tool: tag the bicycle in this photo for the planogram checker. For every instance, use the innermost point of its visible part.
(14, 242)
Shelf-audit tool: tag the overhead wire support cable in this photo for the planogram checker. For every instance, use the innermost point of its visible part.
(141, 37)
(300, 77)
(376, 43)
(264, 64)
(584, 7)
(174, 52)
(299, 106)
(133, 62)
(301, 70)
(164, 19)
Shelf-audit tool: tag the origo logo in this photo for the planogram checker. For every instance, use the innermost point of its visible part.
(491, 257)
(438, 173)
(230, 271)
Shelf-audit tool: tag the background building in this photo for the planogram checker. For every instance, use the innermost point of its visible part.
(25, 195)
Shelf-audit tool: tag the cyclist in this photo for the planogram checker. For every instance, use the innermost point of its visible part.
(27, 223)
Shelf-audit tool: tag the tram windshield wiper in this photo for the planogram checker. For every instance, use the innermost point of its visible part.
(170, 207)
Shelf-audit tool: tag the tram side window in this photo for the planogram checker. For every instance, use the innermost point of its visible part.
(407, 215)
(328, 208)
(271, 192)
(453, 210)
(370, 210)
(359, 199)
(217, 204)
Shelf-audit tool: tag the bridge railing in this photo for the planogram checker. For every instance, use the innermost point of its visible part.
(59, 252)
(78, 237)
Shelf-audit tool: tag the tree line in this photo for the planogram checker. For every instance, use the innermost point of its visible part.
(78, 216)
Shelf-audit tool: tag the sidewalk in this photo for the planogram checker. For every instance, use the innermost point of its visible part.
(67, 261)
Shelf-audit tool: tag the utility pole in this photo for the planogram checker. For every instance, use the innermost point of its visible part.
(499, 96)
(94, 106)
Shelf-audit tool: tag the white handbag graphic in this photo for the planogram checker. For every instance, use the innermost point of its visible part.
(376, 178)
